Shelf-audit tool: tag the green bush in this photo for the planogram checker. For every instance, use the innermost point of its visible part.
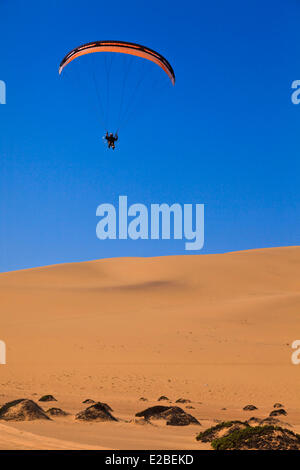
(209, 433)
(253, 437)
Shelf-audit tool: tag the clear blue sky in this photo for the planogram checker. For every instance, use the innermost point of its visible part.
(227, 135)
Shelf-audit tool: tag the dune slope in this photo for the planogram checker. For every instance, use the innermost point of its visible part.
(214, 328)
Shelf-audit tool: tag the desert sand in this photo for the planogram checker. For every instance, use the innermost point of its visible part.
(214, 329)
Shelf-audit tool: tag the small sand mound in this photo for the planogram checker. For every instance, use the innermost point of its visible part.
(278, 405)
(258, 438)
(47, 398)
(279, 412)
(163, 398)
(220, 430)
(97, 412)
(173, 415)
(249, 408)
(105, 405)
(143, 399)
(183, 400)
(22, 410)
(56, 412)
(88, 401)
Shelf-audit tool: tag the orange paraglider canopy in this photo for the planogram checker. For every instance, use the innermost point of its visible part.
(123, 48)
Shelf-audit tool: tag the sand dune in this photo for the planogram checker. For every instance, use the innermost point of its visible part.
(12, 438)
(216, 329)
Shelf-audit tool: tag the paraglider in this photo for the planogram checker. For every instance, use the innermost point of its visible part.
(111, 139)
(119, 47)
